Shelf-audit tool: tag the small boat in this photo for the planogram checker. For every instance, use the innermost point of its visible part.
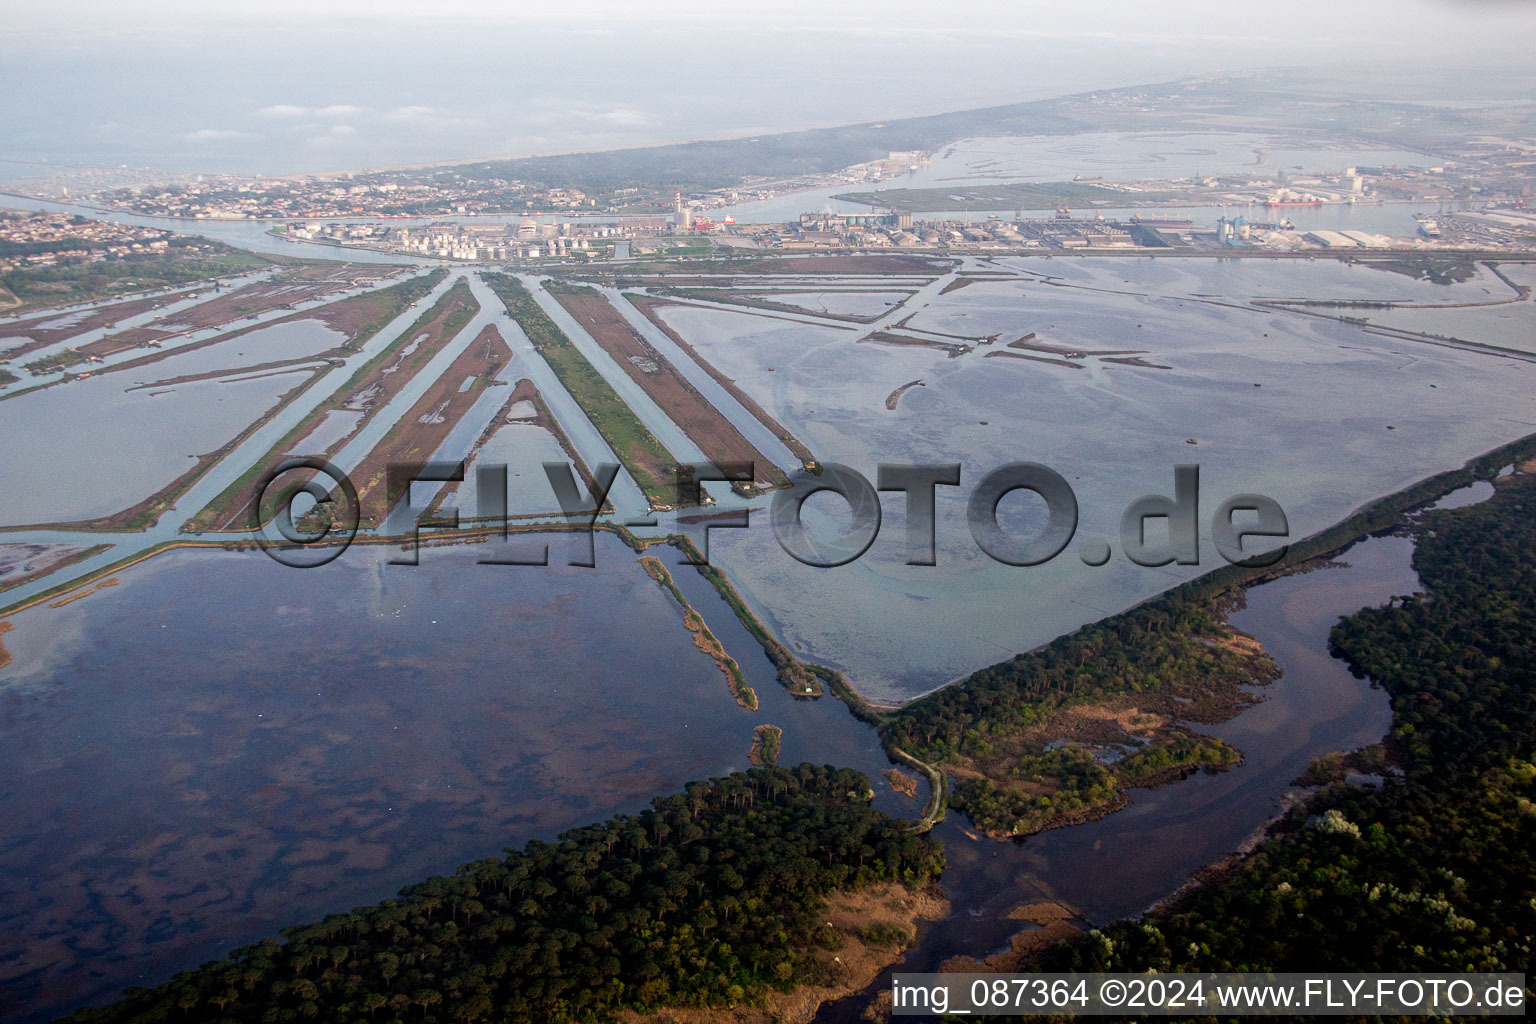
(1190, 440)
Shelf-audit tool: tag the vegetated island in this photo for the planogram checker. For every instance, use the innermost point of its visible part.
(765, 745)
(745, 892)
(1429, 870)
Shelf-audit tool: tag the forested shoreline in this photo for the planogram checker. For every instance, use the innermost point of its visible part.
(711, 898)
(1430, 871)
(1012, 737)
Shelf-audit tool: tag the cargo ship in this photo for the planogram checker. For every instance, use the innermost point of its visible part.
(1292, 202)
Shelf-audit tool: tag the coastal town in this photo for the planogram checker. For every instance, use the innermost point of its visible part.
(46, 239)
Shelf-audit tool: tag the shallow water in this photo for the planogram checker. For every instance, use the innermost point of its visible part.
(522, 448)
(221, 746)
(1306, 410)
(91, 448)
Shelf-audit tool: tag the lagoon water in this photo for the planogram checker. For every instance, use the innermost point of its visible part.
(221, 746)
(1120, 156)
(96, 447)
(1307, 410)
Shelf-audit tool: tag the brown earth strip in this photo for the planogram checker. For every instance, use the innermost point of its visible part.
(429, 422)
(369, 389)
(887, 338)
(358, 317)
(1136, 361)
(47, 561)
(845, 264)
(905, 323)
(705, 425)
(651, 308)
(302, 285)
(894, 398)
(110, 581)
(731, 297)
(260, 370)
(42, 337)
(799, 316)
(732, 282)
(1029, 343)
(703, 639)
(1037, 359)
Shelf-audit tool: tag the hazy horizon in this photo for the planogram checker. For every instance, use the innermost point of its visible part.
(303, 88)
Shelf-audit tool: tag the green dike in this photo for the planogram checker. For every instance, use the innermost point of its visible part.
(706, 640)
(1432, 871)
(392, 301)
(1176, 644)
(646, 458)
(713, 897)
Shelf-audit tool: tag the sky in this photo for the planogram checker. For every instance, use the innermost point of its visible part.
(288, 86)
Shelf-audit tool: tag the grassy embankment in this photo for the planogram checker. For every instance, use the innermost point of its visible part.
(702, 637)
(707, 427)
(653, 468)
(374, 311)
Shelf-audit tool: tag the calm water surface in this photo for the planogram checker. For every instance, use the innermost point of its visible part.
(222, 746)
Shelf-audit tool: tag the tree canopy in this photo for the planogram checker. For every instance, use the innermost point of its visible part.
(706, 899)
